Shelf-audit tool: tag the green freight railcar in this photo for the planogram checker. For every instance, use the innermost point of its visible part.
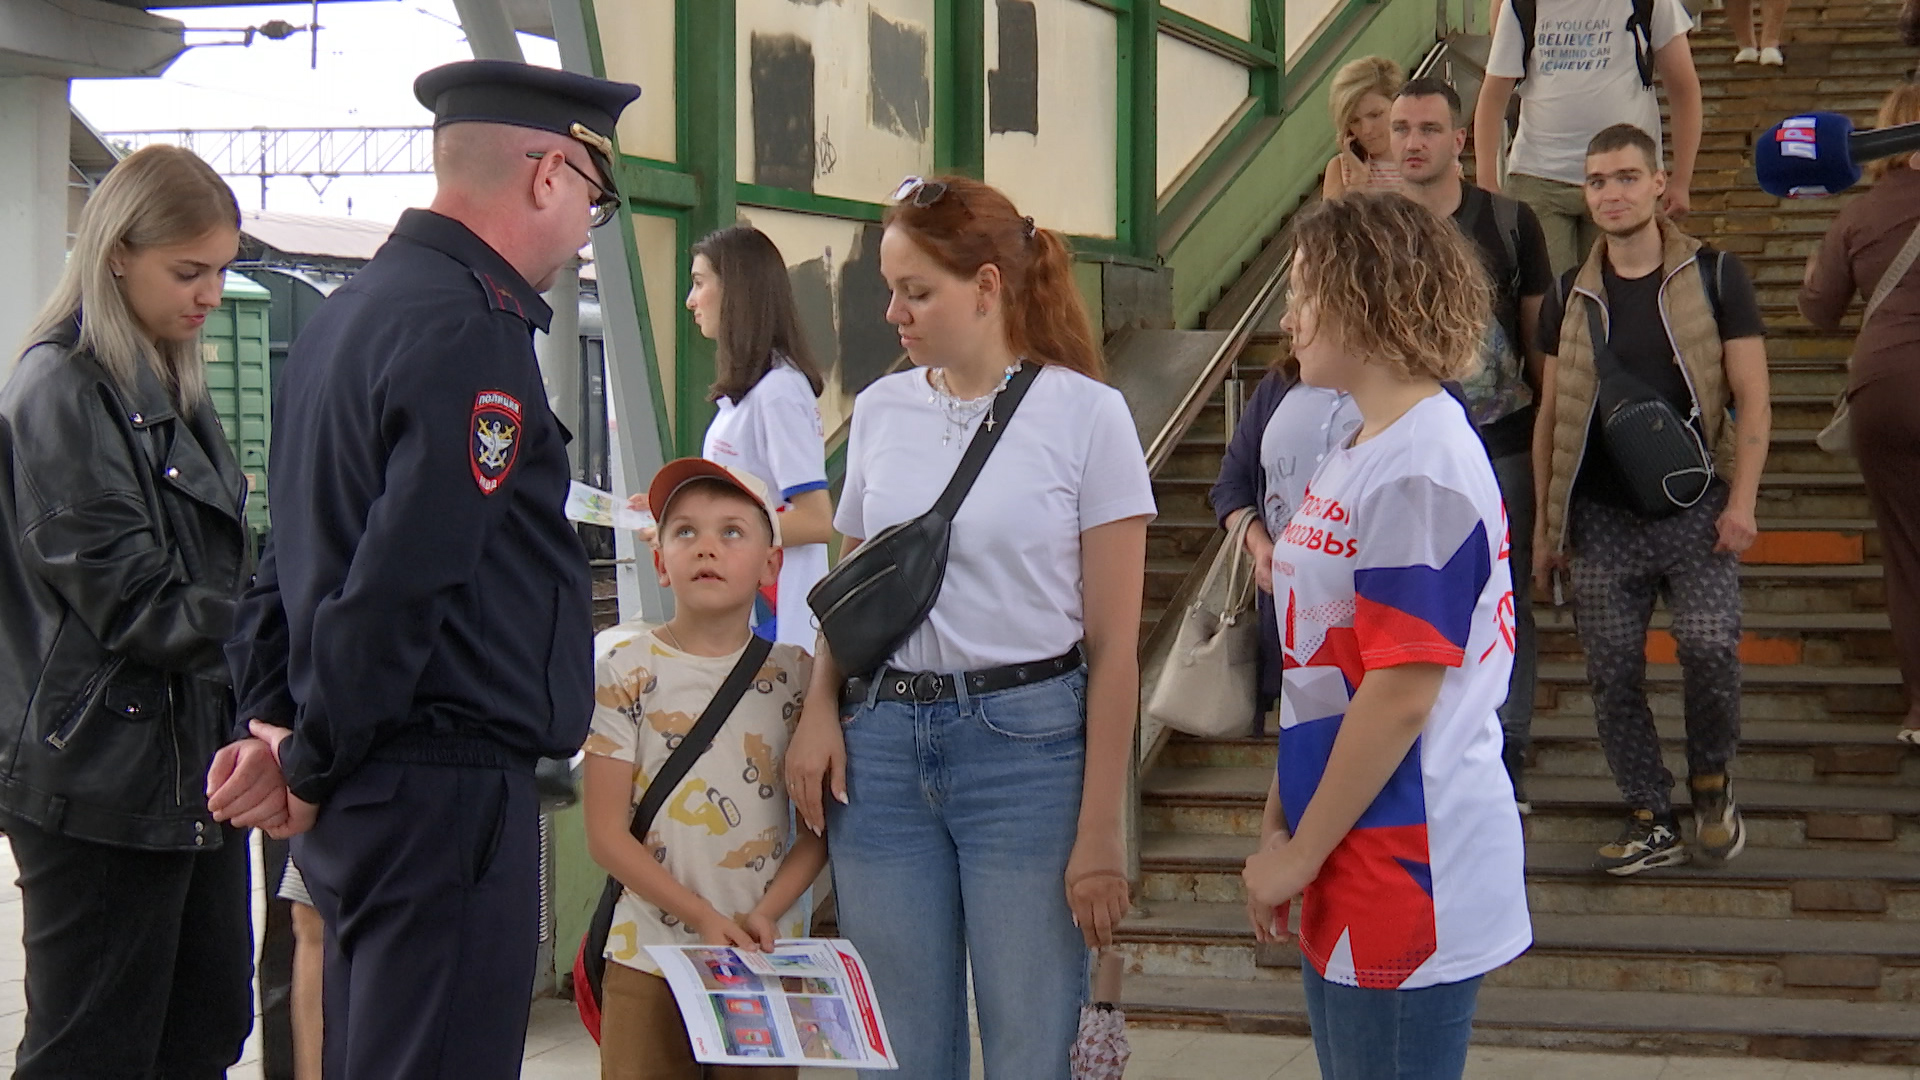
(234, 343)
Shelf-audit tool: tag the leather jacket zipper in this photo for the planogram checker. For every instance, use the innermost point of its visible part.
(89, 696)
(173, 739)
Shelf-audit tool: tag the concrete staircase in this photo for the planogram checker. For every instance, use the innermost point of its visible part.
(1808, 945)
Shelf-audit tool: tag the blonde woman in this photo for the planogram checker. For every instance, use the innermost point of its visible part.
(1391, 815)
(125, 557)
(1361, 96)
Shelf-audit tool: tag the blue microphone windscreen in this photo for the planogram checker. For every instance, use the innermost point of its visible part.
(1806, 156)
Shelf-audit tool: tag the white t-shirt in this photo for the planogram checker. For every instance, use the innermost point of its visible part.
(774, 433)
(725, 829)
(1584, 78)
(1398, 555)
(1307, 425)
(1068, 460)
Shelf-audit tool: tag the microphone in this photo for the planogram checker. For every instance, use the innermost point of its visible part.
(1820, 154)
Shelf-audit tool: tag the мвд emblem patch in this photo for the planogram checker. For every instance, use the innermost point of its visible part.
(494, 435)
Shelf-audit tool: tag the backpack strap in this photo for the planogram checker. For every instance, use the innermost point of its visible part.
(1527, 13)
(1711, 262)
(1506, 217)
(1640, 26)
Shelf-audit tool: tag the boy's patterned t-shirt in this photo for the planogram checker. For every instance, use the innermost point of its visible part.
(1398, 555)
(723, 833)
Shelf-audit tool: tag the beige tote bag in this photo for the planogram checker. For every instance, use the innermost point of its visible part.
(1837, 436)
(1208, 683)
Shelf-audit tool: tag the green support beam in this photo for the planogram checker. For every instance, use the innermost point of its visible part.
(960, 87)
(1136, 218)
(706, 55)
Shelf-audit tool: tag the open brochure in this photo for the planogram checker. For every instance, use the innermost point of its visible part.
(808, 1002)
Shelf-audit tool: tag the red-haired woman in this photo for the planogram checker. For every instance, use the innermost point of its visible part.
(978, 778)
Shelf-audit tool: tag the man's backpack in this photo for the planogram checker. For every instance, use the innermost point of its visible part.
(1639, 24)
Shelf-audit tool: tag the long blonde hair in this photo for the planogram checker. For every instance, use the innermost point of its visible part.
(158, 196)
(1354, 81)
(1902, 106)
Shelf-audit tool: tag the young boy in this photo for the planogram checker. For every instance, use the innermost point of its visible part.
(720, 865)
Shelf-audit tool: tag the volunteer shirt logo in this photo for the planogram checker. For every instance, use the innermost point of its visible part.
(495, 438)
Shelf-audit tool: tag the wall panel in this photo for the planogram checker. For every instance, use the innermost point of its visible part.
(1051, 64)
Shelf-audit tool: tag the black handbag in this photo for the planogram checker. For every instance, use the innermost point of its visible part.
(874, 600)
(590, 962)
(1658, 454)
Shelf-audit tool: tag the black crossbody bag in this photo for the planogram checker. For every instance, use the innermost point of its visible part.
(1659, 455)
(874, 600)
(590, 964)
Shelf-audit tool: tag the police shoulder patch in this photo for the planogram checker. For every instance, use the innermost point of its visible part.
(494, 435)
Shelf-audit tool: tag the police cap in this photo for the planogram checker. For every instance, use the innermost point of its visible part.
(524, 95)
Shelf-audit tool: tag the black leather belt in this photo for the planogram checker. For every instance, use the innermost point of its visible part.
(925, 686)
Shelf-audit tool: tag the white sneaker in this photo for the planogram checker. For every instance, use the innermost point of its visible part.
(1770, 57)
(1747, 55)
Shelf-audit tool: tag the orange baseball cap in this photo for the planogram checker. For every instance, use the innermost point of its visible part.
(677, 474)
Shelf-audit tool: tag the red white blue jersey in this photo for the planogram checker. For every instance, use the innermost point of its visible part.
(1398, 555)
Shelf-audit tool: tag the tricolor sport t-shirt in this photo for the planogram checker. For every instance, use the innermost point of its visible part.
(1398, 555)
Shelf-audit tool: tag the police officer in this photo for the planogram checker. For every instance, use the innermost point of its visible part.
(419, 632)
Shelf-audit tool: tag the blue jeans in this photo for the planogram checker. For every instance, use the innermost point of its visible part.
(952, 851)
(1362, 1034)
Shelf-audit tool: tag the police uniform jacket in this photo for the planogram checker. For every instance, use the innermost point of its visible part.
(124, 556)
(422, 597)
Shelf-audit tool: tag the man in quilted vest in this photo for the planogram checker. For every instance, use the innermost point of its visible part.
(1684, 327)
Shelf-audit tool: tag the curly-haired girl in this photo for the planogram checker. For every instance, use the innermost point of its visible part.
(1391, 815)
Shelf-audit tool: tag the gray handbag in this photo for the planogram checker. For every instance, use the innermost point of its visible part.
(1209, 681)
(1837, 436)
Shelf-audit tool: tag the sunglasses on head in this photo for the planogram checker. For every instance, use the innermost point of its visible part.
(919, 192)
(605, 203)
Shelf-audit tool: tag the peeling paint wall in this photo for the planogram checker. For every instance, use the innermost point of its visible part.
(834, 266)
(1063, 172)
(635, 51)
(1199, 93)
(868, 96)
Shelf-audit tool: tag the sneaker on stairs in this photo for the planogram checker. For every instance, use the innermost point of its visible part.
(1747, 55)
(1719, 832)
(1646, 842)
(1771, 57)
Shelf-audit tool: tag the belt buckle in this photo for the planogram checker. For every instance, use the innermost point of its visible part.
(926, 687)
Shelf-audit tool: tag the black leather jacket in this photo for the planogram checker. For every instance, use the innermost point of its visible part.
(124, 555)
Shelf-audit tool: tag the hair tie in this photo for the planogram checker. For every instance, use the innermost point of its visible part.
(1029, 227)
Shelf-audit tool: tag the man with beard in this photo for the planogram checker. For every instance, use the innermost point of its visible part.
(1682, 326)
(1427, 140)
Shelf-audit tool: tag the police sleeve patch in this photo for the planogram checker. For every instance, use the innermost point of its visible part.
(495, 437)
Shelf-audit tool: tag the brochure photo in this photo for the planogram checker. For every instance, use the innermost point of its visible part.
(808, 1002)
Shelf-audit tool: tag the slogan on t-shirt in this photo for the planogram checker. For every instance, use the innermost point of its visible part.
(1315, 538)
(1573, 45)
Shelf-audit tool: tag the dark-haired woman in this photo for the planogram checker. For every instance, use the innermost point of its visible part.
(124, 559)
(767, 397)
(977, 779)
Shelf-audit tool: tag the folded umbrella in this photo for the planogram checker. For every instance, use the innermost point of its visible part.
(1101, 1052)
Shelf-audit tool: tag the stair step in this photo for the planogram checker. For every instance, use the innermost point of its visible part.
(1647, 1021)
(1238, 787)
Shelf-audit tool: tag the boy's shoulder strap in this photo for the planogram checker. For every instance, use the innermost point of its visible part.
(696, 741)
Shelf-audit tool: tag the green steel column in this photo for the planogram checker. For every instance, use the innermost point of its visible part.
(960, 87)
(1137, 81)
(1270, 33)
(706, 54)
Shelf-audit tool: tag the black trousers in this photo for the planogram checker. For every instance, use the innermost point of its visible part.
(428, 879)
(139, 963)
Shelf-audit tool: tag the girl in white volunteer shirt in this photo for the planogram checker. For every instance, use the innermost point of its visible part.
(978, 778)
(1390, 814)
(768, 418)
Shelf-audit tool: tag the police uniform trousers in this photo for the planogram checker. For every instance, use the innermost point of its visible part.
(427, 877)
(139, 963)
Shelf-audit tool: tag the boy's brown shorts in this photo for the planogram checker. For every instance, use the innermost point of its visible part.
(642, 1037)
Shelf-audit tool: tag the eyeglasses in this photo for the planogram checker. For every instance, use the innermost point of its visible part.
(605, 203)
(919, 192)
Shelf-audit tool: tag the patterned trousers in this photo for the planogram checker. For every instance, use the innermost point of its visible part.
(1621, 563)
